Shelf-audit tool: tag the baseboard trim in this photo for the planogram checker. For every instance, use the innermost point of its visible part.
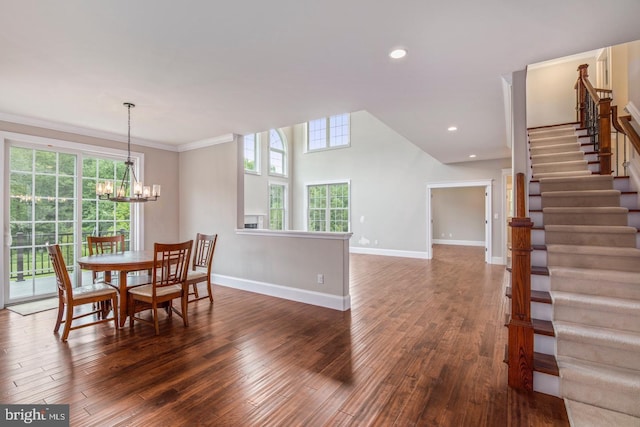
(335, 302)
(387, 252)
(458, 242)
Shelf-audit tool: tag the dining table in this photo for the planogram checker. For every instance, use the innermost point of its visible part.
(123, 263)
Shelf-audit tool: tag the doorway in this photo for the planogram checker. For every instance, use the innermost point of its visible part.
(486, 184)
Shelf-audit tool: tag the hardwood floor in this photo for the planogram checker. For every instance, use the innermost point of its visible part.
(422, 346)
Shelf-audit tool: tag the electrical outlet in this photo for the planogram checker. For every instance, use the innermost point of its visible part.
(320, 279)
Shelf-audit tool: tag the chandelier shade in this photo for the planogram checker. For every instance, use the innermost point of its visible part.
(125, 191)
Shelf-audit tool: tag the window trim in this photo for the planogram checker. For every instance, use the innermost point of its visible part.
(284, 150)
(256, 147)
(70, 147)
(306, 203)
(327, 145)
(285, 202)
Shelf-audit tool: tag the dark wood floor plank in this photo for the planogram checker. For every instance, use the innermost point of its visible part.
(422, 345)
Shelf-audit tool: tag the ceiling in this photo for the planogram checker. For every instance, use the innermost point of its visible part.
(201, 69)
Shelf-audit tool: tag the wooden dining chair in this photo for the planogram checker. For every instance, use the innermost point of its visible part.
(205, 246)
(70, 297)
(168, 282)
(105, 245)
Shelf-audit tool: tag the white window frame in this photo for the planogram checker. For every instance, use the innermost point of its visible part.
(329, 134)
(282, 151)
(306, 203)
(30, 141)
(285, 203)
(256, 147)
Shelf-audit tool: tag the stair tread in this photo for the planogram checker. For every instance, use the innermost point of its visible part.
(594, 250)
(584, 368)
(628, 338)
(583, 273)
(536, 296)
(545, 363)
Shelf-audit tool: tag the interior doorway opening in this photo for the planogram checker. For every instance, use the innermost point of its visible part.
(486, 185)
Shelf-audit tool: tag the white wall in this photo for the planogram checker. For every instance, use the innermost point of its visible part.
(458, 215)
(389, 177)
(633, 56)
(280, 264)
(551, 98)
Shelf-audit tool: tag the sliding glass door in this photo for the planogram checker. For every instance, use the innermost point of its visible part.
(42, 192)
(52, 199)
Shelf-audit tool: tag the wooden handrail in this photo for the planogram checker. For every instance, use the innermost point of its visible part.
(584, 87)
(629, 130)
(520, 344)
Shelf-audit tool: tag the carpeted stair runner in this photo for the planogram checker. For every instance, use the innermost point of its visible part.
(594, 269)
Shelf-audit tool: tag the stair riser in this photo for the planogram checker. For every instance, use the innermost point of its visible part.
(601, 395)
(544, 344)
(547, 384)
(569, 166)
(552, 149)
(540, 283)
(595, 286)
(539, 258)
(544, 158)
(537, 237)
(612, 200)
(572, 174)
(598, 353)
(538, 142)
(541, 311)
(621, 240)
(576, 185)
(585, 219)
(553, 131)
(602, 317)
(618, 263)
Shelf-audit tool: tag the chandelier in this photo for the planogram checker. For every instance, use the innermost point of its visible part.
(139, 192)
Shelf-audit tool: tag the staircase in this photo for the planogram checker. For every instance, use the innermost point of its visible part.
(585, 281)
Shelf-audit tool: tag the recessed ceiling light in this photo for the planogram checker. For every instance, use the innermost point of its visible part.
(472, 156)
(452, 128)
(398, 53)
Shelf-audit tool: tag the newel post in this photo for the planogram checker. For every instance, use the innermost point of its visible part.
(604, 137)
(581, 93)
(520, 344)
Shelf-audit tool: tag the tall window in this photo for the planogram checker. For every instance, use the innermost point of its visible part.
(277, 153)
(329, 132)
(251, 153)
(328, 207)
(52, 199)
(102, 217)
(42, 192)
(277, 206)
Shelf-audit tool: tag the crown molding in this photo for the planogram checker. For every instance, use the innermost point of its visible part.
(592, 54)
(208, 142)
(61, 127)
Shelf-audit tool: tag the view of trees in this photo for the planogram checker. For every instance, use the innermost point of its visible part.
(44, 199)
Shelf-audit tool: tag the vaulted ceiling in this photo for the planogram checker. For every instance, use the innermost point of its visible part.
(200, 69)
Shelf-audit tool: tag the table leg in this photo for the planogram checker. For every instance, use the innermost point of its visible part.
(123, 297)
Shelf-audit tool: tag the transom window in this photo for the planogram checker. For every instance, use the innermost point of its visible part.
(329, 132)
(251, 153)
(328, 207)
(277, 153)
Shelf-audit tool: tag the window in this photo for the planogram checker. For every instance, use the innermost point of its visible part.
(52, 199)
(251, 153)
(277, 153)
(328, 207)
(277, 206)
(329, 132)
(102, 217)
